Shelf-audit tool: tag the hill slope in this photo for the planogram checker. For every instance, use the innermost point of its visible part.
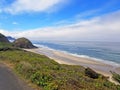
(23, 43)
(3, 38)
(49, 75)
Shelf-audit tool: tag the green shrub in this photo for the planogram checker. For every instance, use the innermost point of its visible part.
(40, 78)
(90, 73)
(116, 76)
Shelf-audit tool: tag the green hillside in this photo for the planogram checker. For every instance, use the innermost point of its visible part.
(49, 75)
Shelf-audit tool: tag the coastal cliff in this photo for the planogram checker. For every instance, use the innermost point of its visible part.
(23, 43)
(3, 39)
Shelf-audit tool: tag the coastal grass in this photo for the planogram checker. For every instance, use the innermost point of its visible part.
(49, 75)
(3, 45)
(116, 76)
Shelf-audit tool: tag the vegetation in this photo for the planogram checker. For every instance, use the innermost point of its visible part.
(116, 76)
(50, 75)
(92, 74)
(3, 45)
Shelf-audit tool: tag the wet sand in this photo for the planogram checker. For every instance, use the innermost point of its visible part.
(65, 58)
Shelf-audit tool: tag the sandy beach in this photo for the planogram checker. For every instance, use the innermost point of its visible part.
(65, 58)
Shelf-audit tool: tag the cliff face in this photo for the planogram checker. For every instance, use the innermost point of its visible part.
(23, 43)
(3, 38)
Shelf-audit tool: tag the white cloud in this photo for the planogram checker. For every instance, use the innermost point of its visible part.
(104, 28)
(20, 6)
(14, 23)
(0, 10)
(5, 32)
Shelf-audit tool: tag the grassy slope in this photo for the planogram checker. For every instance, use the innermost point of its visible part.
(116, 76)
(50, 75)
(3, 45)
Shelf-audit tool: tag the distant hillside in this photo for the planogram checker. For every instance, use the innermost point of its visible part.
(16, 43)
(11, 39)
(3, 38)
(23, 43)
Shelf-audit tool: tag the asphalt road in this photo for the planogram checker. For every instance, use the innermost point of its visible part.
(9, 81)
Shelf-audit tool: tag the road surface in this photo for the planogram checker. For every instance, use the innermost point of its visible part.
(9, 81)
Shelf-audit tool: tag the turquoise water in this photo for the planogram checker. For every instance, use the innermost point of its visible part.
(107, 51)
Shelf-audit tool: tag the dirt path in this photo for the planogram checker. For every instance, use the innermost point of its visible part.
(9, 81)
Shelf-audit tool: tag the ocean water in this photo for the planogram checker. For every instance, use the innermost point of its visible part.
(105, 51)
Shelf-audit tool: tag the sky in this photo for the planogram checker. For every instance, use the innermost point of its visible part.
(64, 20)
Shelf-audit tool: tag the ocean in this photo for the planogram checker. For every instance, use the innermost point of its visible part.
(108, 52)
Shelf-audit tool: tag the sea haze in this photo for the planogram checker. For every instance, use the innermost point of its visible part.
(107, 51)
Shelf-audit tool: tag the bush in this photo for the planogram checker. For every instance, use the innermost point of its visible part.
(41, 78)
(116, 76)
(92, 74)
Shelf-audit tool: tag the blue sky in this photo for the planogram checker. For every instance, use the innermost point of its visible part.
(62, 17)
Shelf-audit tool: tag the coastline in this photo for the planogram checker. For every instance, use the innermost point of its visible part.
(64, 58)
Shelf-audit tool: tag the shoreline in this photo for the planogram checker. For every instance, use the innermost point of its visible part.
(66, 58)
(81, 56)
